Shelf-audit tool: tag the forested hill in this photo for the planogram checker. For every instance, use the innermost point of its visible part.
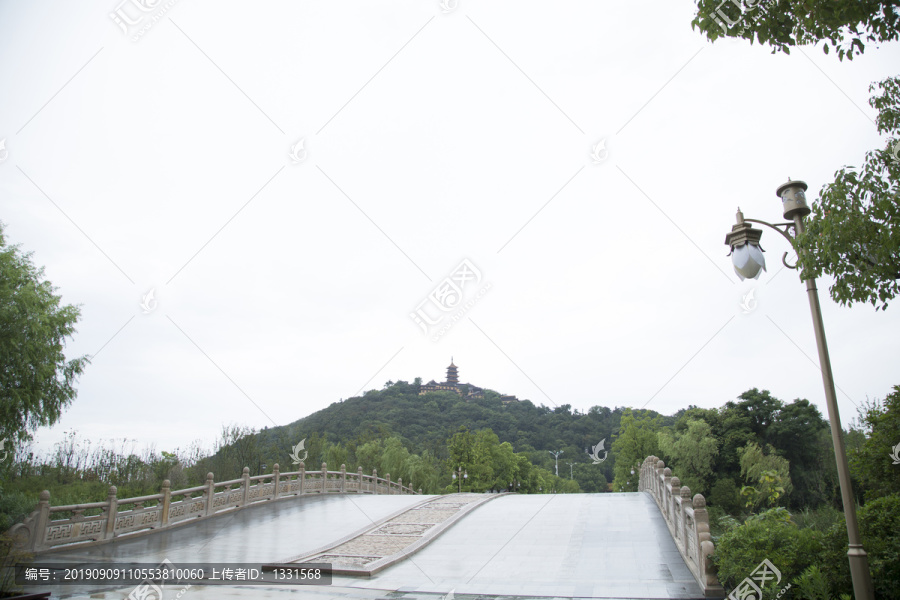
(426, 422)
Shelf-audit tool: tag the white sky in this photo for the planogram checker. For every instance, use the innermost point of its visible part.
(431, 137)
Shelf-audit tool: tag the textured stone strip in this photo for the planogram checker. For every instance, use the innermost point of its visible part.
(393, 538)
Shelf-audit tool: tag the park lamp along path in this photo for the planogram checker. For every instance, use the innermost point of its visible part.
(749, 262)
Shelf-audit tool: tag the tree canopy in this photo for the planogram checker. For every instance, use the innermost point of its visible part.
(36, 380)
(853, 233)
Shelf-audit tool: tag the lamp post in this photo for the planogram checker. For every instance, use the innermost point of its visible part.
(462, 475)
(570, 470)
(556, 455)
(746, 255)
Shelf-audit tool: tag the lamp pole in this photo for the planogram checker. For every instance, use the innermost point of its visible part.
(744, 242)
(556, 455)
(570, 470)
(459, 475)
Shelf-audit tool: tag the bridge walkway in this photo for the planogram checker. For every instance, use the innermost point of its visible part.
(563, 546)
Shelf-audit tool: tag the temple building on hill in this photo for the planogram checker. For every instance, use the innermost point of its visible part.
(465, 390)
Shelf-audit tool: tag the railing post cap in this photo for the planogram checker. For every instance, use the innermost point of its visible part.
(343, 467)
(676, 482)
(686, 492)
(45, 496)
(246, 470)
(667, 472)
(324, 467)
(660, 464)
(275, 467)
(113, 490)
(302, 465)
(210, 476)
(166, 483)
(699, 501)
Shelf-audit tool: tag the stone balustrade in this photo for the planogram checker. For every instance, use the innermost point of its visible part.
(39, 532)
(687, 520)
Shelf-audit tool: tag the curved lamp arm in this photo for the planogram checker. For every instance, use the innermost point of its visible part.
(784, 233)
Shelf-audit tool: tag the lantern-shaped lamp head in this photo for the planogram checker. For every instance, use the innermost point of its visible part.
(793, 198)
(746, 253)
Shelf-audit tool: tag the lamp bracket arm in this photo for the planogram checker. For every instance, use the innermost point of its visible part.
(788, 227)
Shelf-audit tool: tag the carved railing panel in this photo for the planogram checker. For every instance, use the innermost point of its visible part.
(687, 520)
(40, 532)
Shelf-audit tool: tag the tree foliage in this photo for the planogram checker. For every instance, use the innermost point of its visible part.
(853, 233)
(36, 380)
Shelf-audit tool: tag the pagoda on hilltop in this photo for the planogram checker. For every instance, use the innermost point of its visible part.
(464, 390)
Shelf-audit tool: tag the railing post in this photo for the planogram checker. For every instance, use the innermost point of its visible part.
(112, 508)
(420, 491)
(359, 481)
(388, 477)
(210, 492)
(706, 545)
(685, 492)
(166, 502)
(375, 481)
(343, 477)
(275, 479)
(660, 466)
(324, 478)
(246, 485)
(400, 485)
(302, 475)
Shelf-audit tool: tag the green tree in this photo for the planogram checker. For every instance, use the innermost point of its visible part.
(872, 463)
(853, 233)
(692, 450)
(636, 441)
(768, 476)
(36, 380)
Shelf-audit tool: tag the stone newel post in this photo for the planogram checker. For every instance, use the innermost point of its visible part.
(246, 485)
(704, 539)
(343, 478)
(359, 480)
(388, 477)
(209, 492)
(302, 475)
(166, 502)
(275, 479)
(375, 481)
(112, 507)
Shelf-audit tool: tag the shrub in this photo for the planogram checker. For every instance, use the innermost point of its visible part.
(879, 524)
(770, 535)
(725, 495)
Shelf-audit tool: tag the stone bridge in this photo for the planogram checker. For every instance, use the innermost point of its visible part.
(118, 517)
(652, 544)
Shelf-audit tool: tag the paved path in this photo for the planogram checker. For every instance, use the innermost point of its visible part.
(569, 546)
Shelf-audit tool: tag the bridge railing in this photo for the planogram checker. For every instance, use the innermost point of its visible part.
(687, 519)
(41, 532)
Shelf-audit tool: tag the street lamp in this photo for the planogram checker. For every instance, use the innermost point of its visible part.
(462, 476)
(746, 255)
(556, 455)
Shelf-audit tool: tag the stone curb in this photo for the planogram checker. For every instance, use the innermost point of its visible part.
(387, 561)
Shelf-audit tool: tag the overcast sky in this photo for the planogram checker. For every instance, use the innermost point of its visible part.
(296, 181)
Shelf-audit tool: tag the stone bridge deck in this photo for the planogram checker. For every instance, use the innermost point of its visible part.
(563, 546)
